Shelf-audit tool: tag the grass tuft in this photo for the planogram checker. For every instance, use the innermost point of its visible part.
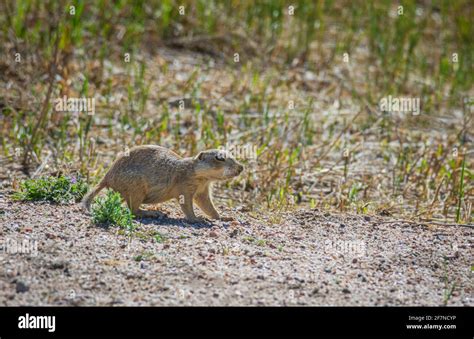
(109, 210)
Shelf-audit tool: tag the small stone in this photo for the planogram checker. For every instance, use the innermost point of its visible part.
(50, 236)
(58, 264)
(367, 218)
(21, 287)
(346, 291)
(213, 234)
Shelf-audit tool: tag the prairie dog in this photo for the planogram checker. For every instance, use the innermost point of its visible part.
(152, 174)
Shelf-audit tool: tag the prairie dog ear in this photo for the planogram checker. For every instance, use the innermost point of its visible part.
(221, 156)
(200, 156)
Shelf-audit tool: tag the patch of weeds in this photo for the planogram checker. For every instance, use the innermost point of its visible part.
(110, 211)
(60, 190)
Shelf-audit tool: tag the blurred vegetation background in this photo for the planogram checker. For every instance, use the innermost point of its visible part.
(299, 80)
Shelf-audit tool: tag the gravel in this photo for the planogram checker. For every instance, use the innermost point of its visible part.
(310, 258)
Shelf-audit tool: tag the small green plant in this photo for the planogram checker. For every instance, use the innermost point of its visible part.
(144, 256)
(159, 238)
(60, 190)
(250, 239)
(109, 210)
(354, 191)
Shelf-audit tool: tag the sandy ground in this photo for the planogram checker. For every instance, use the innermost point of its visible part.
(309, 258)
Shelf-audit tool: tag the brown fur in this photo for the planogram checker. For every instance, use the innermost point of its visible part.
(153, 174)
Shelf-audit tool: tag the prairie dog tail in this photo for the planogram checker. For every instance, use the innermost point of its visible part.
(87, 200)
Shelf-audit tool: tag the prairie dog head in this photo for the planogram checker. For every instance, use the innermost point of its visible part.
(216, 165)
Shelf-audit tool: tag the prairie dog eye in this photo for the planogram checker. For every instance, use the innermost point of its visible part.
(220, 157)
